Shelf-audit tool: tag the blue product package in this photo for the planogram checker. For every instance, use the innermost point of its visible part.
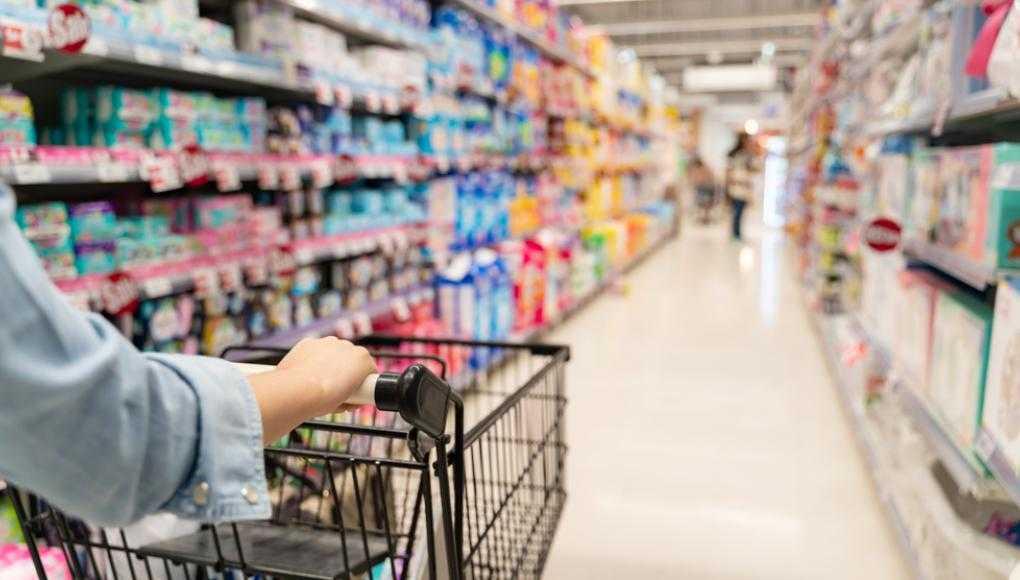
(95, 257)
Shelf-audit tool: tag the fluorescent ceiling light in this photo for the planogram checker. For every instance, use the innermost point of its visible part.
(722, 46)
(800, 19)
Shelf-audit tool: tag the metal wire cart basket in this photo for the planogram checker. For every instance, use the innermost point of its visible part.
(406, 489)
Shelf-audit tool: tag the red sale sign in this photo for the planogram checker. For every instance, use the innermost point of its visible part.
(69, 28)
(883, 235)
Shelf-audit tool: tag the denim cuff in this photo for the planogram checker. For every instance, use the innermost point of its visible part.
(228, 479)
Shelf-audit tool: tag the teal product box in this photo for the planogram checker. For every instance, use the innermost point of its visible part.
(1003, 234)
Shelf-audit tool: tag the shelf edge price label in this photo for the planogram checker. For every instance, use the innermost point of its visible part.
(390, 104)
(322, 174)
(26, 173)
(268, 177)
(161, 174)
(323, 94)
(119, 295)
(343, 96)
(112, 172)
(69, 28)
(193, 165)
(157, 287)
(21, 40)
(362, 324)
(290, 177)
(228, 178)
(206, 282)
(401, 311)
(883, 235)
(344, 328)
(345, 169)
(372, 102)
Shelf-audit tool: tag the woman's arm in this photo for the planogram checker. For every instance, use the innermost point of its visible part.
(110, 434)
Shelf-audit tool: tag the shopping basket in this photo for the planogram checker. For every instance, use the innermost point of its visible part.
(457, 473)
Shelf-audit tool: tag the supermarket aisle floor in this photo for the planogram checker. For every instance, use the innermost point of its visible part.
(707, 442)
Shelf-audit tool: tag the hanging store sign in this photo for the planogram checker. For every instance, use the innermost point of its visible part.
(69, 28)
(883, 235)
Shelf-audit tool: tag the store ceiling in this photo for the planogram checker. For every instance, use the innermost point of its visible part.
(674, 34)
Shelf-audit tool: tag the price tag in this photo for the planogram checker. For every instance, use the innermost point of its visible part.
(342, 250)
(228, 178)
(268, 177)
(256, 273)
(345, 169)
(145, 54)
(161, 174)
(157, 287)
(400, 172)
(21, 41)
(119, 295)
(206, 282)
(112, 172)
(362, 324)
(196, 63)
(97, 46)
(401, 310)
(322, 174)
(290, 177)
(372, 102)
(344, 96)
(323, 94)
(391, 104)
(69, 28)
(230, 278)
(31, 173)
(193, 165)
(344, 328)
(281, 262)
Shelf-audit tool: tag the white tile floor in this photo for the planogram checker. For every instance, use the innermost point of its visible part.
(707, 442)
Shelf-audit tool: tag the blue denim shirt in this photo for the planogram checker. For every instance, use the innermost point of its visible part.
(105, 432)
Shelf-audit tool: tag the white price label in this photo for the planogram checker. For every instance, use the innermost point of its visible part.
(148, 55)
(206, 282)
(112, 172)
(161, 174)
(268, 177)
(391, 104)
(323, 94)
(157, 287)
(372, 102)
(228, 178)
(196, 63)
(290, 177)
(230, 278)
(344, 328)
(343, 95)
(342, 250)
(97, 46)
(31, 173)
(362, 324)
(401, 310)
(322, 174)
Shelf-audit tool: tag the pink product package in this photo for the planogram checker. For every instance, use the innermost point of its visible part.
(16, 563)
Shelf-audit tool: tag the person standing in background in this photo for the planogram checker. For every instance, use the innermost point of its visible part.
(701, 180)
(740, 168)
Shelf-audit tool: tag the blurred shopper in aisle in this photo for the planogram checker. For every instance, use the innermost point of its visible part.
(740, 168)
(701, 180)
(110, 434)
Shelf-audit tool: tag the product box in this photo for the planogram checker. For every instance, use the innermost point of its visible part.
(914, 317)
(1001, 417)
(1003, 236)
(960, 339)
(963, 208)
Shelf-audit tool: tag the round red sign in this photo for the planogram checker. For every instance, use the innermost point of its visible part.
(69, 28)
(883, 235)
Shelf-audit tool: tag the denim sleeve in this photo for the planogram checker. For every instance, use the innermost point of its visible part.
(105, 432)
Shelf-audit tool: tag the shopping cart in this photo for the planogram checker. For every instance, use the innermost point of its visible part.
(402, 490)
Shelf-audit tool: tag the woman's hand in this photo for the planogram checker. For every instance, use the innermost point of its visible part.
(314, 379)
(337, 367)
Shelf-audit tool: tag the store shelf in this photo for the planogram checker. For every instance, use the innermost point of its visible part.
(993, 457)
(242, 74)
(74, 165)
(355, 24)
(342, 246)
(867, 439)
(969, 478)
(547, 48)
(358, 321)
(974, 274)
(991, 106)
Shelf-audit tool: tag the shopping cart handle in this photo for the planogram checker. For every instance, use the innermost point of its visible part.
(420, 397)
(365, 395)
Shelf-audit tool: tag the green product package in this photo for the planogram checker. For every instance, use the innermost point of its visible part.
(1003, 236)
